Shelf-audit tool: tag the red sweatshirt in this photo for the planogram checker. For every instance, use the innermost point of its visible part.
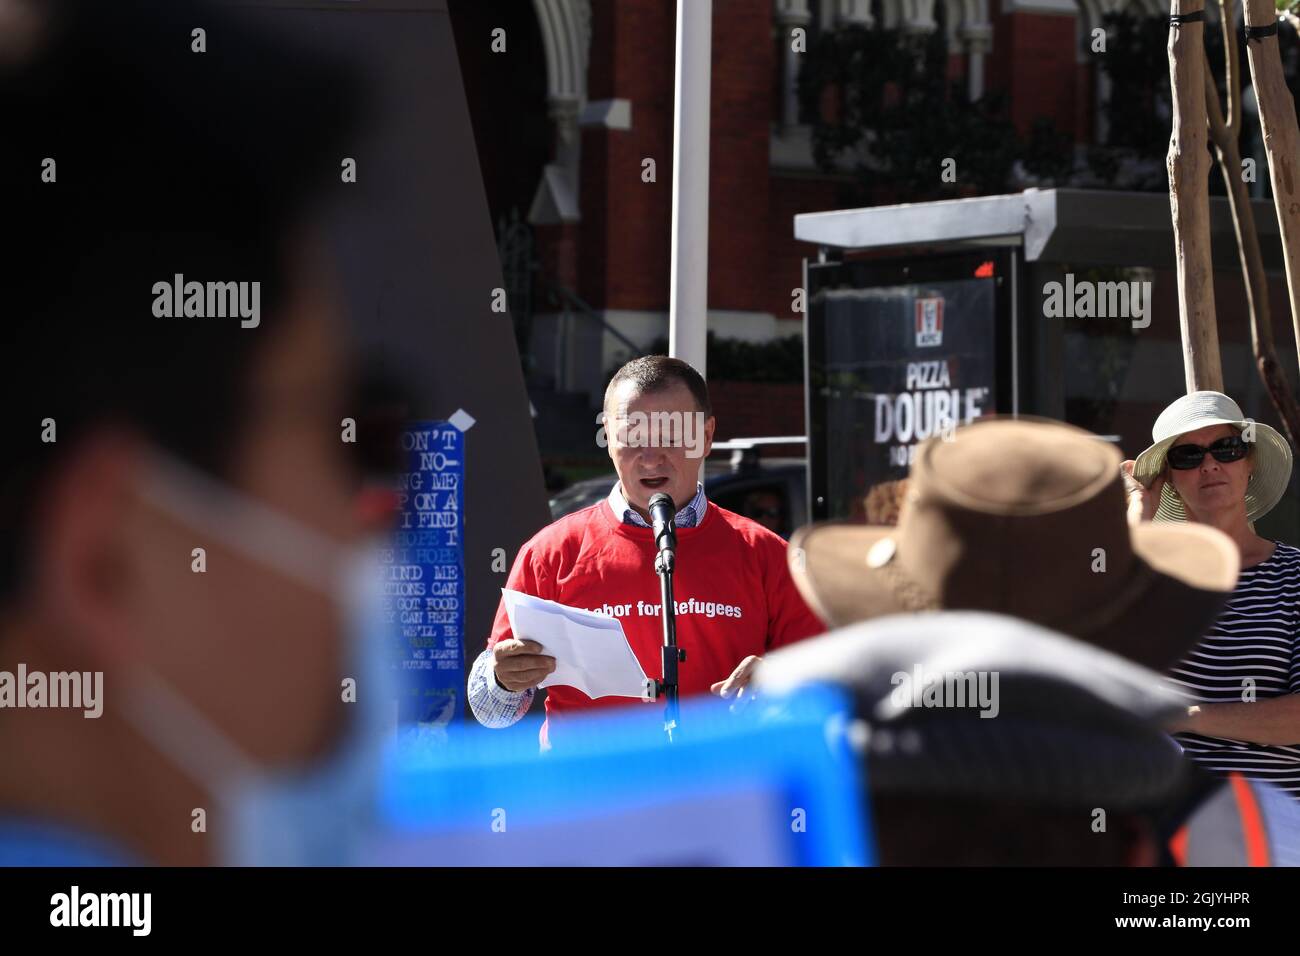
(734, 594)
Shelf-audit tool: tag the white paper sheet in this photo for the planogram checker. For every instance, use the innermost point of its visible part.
(591, 651)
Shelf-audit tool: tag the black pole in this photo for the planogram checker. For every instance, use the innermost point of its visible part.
(671, 655)
(662, 515)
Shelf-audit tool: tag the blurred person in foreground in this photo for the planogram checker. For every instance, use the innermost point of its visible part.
(987, 740)
(1210, 466)
(134, 439)
(1024, 519)
(735, 598)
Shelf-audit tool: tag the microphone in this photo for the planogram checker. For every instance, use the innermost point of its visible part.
(662, 511)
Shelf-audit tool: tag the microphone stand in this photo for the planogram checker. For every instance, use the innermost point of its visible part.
(663, 508)
(671, 654)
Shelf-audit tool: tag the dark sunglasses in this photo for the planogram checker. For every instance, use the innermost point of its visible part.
(1184, 457)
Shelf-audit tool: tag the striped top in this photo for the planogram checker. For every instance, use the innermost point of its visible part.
(1255, 639)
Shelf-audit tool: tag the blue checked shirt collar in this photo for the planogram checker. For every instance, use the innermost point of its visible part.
(688, 517)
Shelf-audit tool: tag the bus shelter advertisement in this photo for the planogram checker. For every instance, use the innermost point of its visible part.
(901, 364)
(424, 592)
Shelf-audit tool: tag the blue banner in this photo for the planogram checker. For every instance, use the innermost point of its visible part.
(776, 784)
(424, 592)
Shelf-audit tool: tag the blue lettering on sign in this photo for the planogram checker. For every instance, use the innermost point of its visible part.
(424, 582)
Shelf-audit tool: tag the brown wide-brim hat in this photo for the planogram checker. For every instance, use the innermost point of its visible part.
(1027, 518)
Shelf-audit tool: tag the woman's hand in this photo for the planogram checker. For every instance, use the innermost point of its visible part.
(1142, 501)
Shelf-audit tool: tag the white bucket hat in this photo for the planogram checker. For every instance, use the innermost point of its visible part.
(1270, 453)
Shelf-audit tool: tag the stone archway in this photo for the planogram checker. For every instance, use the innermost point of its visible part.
(566, 38)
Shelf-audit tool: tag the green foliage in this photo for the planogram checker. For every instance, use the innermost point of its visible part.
(1139, 111)
(1137, 63)
(884, 106)
(1047, 152)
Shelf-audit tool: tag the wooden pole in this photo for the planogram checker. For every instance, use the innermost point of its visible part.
(1189, 200)
(1277, 120)
(1225, 134)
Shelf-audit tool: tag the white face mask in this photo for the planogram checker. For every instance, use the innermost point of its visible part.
(315, 815)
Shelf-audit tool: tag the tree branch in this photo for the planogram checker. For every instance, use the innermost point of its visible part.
(1228, 151)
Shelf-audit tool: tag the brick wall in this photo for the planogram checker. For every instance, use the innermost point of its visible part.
(741, 111)
(788, 195)
(757, 409)
(624, 244)
(1034, 60)
(621, 248)
(626, 234)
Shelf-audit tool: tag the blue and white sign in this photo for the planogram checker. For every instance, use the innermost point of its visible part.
(424, 589)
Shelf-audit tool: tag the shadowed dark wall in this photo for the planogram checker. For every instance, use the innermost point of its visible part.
(418, 263)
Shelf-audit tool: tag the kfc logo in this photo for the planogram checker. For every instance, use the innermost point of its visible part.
(929, 322)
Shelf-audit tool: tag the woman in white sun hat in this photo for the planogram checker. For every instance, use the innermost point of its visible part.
(1211, 465)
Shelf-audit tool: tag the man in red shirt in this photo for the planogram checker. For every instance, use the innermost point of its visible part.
(734, 594)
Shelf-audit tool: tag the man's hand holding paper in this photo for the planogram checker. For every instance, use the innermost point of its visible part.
(590, 651)
(519, 665)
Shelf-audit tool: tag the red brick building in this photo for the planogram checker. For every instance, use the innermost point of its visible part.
(578, 95)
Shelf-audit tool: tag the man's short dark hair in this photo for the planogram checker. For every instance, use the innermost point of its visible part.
(653, 373)
(166, 161)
